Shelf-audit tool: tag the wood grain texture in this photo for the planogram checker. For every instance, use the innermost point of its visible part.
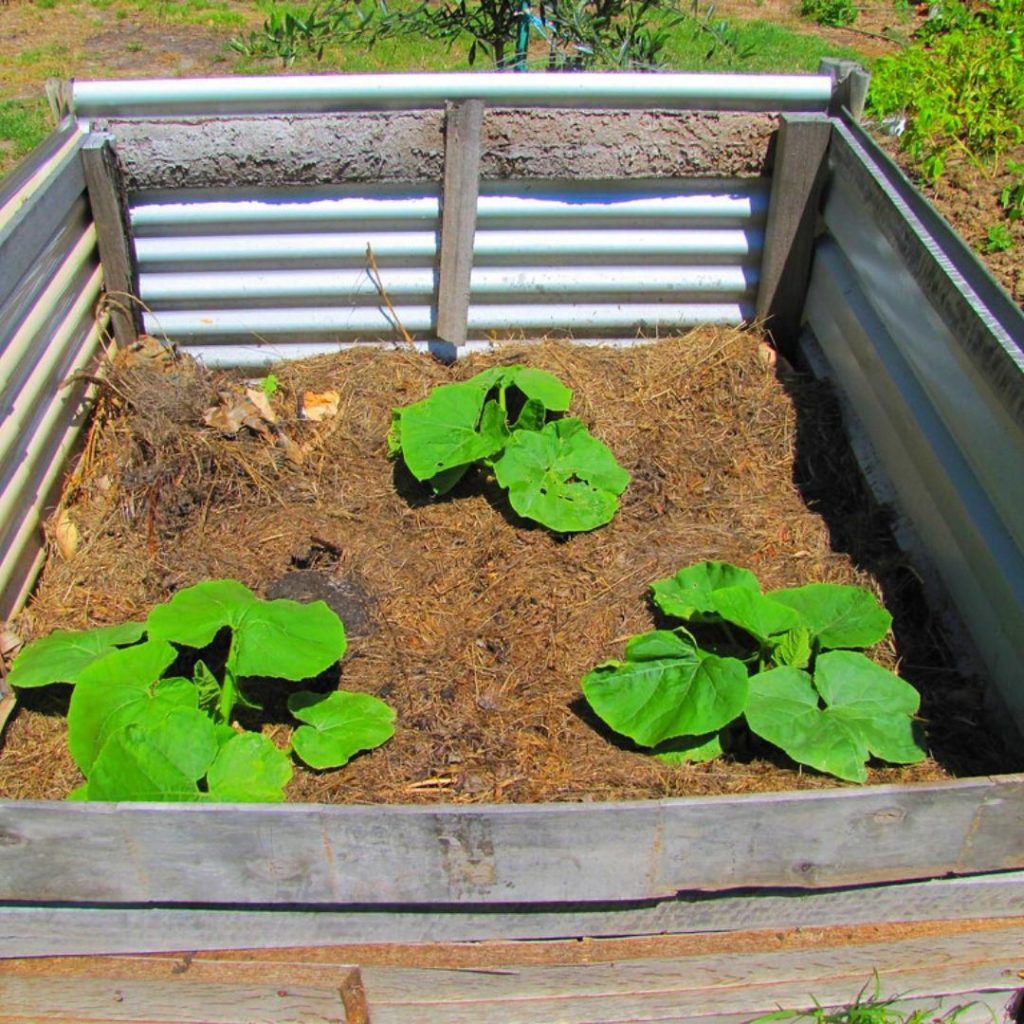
(697, 987)
(39, 931)
(374, 856)
(109, 204)
(459, 193)
(797, 181)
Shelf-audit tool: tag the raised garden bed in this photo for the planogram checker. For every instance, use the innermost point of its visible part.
(527, 844)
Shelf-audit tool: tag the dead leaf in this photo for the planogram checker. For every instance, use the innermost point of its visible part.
(149, 352)
(10, 641)
(259, 399)
(233, 413)
(318, 406)
(293, 452)
(66, 534)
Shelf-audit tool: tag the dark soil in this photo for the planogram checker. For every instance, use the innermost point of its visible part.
(474, 625)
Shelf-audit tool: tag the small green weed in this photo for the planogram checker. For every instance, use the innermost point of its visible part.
(836, 13)
(1011, 198)
(961, 85)
(867, 1009)
(997, 239)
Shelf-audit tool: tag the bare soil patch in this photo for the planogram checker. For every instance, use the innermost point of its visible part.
(473, 624)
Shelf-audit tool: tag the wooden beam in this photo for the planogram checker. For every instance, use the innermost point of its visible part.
(113, 232)
(58, 931)
(463, 122)
(798, 178)
(850, 84)
(532, 853)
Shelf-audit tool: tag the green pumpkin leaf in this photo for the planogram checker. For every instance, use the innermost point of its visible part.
(159, 759)
(539, 386)
(533, 416)
(283, 639)
(339, 725)
(116, 690)
(753, 612)
(442, 432)
(837, 615)
(792, 648)
(688, 594)
(561, 476)
(868, 711)
(248, 768)
(63, 655)
(689, 749)
(667, 687)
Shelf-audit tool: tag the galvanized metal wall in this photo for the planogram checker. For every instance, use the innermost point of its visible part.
(50, 281)
(929, 353)
(222, 276)
(265, 245)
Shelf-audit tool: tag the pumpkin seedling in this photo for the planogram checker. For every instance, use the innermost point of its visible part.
(509, 419)
(138, 732)
(785, 662)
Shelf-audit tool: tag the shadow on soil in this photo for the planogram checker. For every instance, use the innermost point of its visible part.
(957, 724)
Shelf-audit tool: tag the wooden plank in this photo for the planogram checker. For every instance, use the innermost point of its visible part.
(463, 123)
(109, 203)
(179, 991)
(699, 986)
(850, 84)
(323, 855)
(797, 181)
(49, 931)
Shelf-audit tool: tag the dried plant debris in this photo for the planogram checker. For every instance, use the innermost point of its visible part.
(474, 624)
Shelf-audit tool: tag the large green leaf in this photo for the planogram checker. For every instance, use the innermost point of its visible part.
(539, 386)
(63, 655)
(868, 711)
(248, 768)
(444, 431)
(561, 476)
(162, 758)
(837, 615)
(754, 613)
(283, 638)
(689, 749)
(116, 690)
(666, 687)
(689, 593)
(338, 726)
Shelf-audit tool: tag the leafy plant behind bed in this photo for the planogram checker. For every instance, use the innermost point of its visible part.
(785, 662)
(509, 419)
(137, 731)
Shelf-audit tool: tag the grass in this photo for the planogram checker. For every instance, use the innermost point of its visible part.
(757, 46)
(23, 125)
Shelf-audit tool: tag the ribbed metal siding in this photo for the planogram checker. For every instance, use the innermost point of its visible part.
(598, 258)
(934, 373)
(50, 282)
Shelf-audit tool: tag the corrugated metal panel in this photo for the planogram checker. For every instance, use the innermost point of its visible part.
(935, 377)
(307, 94)
(50, 282)
(600, 257)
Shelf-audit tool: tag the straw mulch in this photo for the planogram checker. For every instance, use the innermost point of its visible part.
(475, 626)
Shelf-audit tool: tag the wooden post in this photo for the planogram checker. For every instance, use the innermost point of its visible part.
(849, 85)
(109, 206)
(797, 181)
(463, 121)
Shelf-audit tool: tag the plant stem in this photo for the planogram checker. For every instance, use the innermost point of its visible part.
(229, 689)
